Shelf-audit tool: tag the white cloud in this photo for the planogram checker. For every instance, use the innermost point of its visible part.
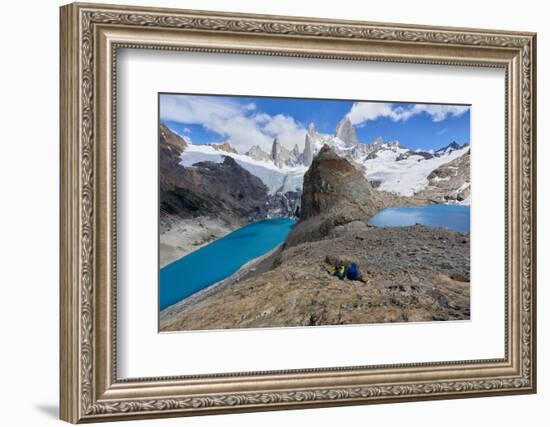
(238, 124)
(286, 129)
(438, 112)
(442, 131)
(362, 112)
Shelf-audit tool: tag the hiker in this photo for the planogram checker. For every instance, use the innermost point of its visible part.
(339, 271)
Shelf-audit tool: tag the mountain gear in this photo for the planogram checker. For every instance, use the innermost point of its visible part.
(353, 272)
(345, 269)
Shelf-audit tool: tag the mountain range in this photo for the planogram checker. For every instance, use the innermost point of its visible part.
(390, 166)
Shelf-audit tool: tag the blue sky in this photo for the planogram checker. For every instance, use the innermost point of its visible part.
(248, 121)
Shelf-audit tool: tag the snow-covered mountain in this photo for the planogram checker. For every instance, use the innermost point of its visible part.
(405, 172)
(277, 179)
(389, 165)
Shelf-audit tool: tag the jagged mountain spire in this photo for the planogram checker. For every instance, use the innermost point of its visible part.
(346, 132)
(307, 155)
(281, 155)
(276, 153)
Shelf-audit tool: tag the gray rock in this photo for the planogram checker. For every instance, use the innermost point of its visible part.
(346, 132)
(257, 153)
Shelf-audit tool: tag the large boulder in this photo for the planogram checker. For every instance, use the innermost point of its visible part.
(335, 192)
(334, 183)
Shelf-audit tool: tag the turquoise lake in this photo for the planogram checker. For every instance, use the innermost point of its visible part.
(220, 259)
(455, 217)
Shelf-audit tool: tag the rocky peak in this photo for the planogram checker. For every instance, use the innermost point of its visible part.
(224, 147)
(346, 132)
(257, 153)
(307, 156)
(453, 146)
(311, 128)
(279, 154)
(276, 153)
(171, 139)
(378, 141)
(394, 144)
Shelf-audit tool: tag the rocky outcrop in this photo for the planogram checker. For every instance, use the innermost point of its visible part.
(346, 132)
(224, 147)
(169, 140)
(333, 183)
(449, 183)
(335, 193)
(257, 153)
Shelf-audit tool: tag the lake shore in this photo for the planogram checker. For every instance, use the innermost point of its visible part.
(179, 237)
(245, 271)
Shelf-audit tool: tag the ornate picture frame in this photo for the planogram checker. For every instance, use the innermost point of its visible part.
(90, 37)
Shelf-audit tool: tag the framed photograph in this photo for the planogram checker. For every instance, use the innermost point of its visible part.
(267, 212)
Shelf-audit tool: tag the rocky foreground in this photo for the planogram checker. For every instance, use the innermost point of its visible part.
(412, 273)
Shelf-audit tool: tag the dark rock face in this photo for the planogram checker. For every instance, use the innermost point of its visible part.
(224, 190)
